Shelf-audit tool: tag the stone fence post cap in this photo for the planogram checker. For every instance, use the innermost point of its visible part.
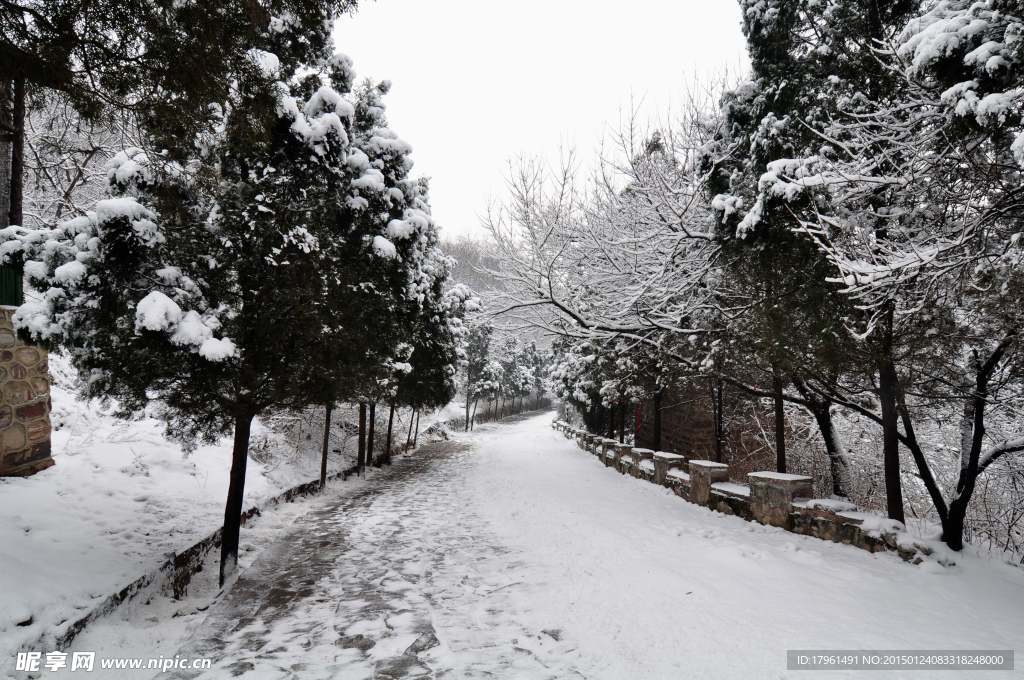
(707, 464)
(638, 449)
(667, 455)
(779, 476)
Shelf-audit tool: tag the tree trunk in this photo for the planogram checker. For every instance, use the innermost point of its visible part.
(838, 465)
(408, 437)
(611, 421)
(391, 420)
(780, 420)
(327, 438)
(416, 436)
(622, 422)
(16, 208)
(371, 432)
(467, 410)
(6, 141)
(472, 419)
(821, 409)
(953, 526)
(657, 419)
(236, 493)
(888, 384)
(717, 401)
(361, 456)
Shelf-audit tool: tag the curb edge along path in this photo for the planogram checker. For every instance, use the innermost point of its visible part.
(509, 553)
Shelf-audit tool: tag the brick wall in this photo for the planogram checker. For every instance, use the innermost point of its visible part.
(687, 421)
(688, 427)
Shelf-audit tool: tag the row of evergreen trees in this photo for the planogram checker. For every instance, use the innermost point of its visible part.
(838, 234)
(263, 247)
(502, 371)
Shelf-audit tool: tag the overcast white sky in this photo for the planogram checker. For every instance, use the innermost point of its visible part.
(479, 82)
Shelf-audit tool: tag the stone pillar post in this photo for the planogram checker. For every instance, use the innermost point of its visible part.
(24, 403)
(704, 473)
(623, 454)
(641, 469)
(665, 461)
(771, 495)
(608, 451)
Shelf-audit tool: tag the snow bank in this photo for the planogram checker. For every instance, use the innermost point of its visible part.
(642, 585)
(119, 497)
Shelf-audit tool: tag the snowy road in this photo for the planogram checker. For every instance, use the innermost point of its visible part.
(511, 554)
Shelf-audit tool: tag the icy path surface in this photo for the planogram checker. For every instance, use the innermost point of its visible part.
(511, 554)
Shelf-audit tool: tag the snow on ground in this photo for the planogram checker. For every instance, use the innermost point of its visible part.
(118, 499)
(509, 553)
(650, 586)
(153, 626)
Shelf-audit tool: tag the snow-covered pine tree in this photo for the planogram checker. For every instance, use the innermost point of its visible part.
(477, 354)
(395, 274)
(803, 55)
(918, 210)
(209, 286)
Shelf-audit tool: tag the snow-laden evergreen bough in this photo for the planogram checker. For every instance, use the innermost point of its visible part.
(843, 236)
(235, 276)
(912, 195)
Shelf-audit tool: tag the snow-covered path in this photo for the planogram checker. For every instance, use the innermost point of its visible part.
(509, 553)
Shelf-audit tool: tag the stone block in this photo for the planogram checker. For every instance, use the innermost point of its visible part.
(644, 469)
(623, 455)
(24, 403)
(640, 454)
(665, 461)
(772, 493)
(704, 473)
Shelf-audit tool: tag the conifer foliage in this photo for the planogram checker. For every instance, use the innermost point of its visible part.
(283, 253)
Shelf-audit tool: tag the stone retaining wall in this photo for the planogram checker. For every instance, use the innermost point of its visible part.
(771, 498)
(24, 403)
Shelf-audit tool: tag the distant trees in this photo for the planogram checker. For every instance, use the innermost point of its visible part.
(839, 234)
(475, 378)
(502, 370)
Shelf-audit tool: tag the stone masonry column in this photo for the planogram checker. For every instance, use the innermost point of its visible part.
(640, 470)
(771, 495)
(24, 403)
(704, 473)
(665, 461)
(623, 452)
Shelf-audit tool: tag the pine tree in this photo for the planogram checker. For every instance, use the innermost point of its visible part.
(212, 287)
(803, 54)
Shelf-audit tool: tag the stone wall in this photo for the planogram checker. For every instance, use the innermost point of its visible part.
(24, 403)
(770, 498)
(687, 424)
